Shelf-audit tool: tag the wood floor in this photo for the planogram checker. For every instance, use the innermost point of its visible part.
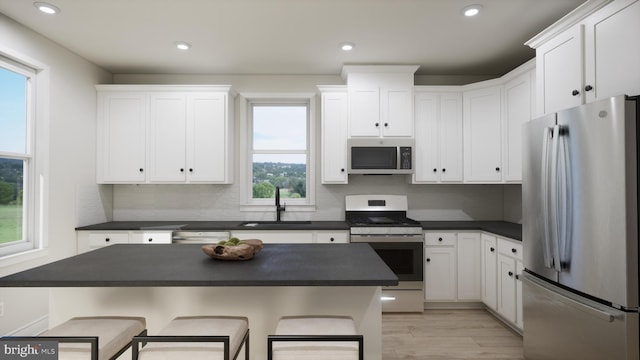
(448, 334)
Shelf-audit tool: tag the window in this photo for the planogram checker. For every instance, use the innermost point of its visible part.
(279, 151)
(16, 160)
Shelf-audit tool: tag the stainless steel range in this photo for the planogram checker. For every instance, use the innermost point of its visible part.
(381, 221)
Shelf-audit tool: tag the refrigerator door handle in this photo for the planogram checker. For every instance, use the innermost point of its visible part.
(555, 189)
(545, 181)
(564, 195)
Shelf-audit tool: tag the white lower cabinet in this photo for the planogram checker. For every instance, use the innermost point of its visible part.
(509, 284)
(91, 240)
(154, 237)
(100, 239)
(276, 236)
(489, 271)
(293, 237)
(452, 267)
(331, 237)
(440, 273)
(469, 267)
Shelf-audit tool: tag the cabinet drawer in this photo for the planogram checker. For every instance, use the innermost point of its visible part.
(510, 248)
(448, 239)
(150, 238)
(276, 237)
(331, 238)
(104, 239)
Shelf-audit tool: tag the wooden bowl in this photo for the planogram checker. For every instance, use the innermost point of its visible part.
(245, 250)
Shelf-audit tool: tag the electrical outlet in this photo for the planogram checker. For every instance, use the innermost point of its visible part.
(1, 308)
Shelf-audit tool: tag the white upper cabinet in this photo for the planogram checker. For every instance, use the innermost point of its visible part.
(380, 100)
(334, 109)
(210, 160)
(121, 141)
(167, 137)
(183, 134)
(612, 53)
(482, 116)
(588, 55)
(516, 110)
(438, 134)
(559, 71)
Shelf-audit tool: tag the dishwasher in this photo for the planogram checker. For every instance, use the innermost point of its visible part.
(199, 237)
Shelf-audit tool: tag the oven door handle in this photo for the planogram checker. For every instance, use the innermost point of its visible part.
(387, 238)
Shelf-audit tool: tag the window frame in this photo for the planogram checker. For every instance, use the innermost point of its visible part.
(247, 101)
(34, 170)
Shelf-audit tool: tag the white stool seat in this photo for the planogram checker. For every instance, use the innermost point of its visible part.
(114, 334)
(314, 326)
(236, 328)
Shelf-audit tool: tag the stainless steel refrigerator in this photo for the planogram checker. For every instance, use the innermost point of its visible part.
(580, 233)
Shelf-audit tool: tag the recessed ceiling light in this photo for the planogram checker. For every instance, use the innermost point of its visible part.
(347, 46)
(181, 45)
(471, 10)
(46, 8)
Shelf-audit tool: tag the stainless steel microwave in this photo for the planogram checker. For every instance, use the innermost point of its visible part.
(380, 156)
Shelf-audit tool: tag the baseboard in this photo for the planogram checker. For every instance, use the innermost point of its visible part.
(506, 322)
(33, 328)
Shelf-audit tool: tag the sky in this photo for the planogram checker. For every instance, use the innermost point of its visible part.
(12, 111)
(280, 128)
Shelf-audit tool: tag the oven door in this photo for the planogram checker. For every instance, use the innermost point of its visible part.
(403, 254)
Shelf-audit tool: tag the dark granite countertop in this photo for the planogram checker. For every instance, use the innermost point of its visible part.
(133, 265)
(213, 225)
(502, 228)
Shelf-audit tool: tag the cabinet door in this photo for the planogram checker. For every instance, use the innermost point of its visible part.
(482, 135)
(469, 267)
(489, 271)
(334, 137)
(451, 137)
(167, 137)
(559, 71)
(427, 151)
(208, 140)
(396, 106)
(364, 111)
(519, 269)
(440, 273)
(507, 287)
(122, 134)
(611, 51)
(517, 111)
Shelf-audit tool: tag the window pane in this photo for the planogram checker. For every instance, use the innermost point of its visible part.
(279, 127)
(287, 171)
(13, 111)
(11, 196)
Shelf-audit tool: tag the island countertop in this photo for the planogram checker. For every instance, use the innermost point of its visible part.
(127, 265)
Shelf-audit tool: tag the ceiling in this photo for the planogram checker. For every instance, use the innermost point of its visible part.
(293, 36)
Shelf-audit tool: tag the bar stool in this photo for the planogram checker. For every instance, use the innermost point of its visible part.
(194, 338)
(101, 337)
(315, 337)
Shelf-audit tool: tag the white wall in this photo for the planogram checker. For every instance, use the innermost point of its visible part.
(73, 198)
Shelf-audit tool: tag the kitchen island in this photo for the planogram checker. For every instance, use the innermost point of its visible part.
(164, 281)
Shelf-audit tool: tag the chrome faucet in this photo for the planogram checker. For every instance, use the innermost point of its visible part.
(279, 208)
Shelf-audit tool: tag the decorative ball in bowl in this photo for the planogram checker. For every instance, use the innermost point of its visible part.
(233, 249)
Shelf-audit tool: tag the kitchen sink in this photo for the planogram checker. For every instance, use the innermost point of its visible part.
(274, 224)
